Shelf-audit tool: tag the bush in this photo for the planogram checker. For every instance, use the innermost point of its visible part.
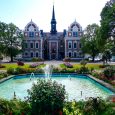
(103, 66)
(14, 107)
(2, 66)
(46, 97)
(56, 70)
(19, 70)
(37, 59)
(83, 63)
(83, 70)
(11, 71)
(97, 106)
(93, 106)
(3, 74)
(109, 72)
(20, 63)
(66, 59)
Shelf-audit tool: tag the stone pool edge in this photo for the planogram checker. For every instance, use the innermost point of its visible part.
(102, 83)
(7, 78)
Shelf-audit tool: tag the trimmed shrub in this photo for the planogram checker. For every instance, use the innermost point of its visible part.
(2, 66)
(56, 70)
(10, 70)
(19, 63)
(46, 97)
(37, 59)
(19, 70)
(83, 70)
(103, 66)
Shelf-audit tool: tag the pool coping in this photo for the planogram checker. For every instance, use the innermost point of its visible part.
(107, 85)
(7, 78)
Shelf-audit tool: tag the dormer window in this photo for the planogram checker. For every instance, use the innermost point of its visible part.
(31, 34)
(75, 34)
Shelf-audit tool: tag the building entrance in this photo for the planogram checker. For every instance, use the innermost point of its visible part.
(54, 50)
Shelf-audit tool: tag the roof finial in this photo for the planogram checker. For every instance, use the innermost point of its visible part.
(53, 2)
(31, 20)
(75, 19)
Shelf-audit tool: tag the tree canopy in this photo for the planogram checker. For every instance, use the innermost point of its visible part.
(10, 39)
(89, 40)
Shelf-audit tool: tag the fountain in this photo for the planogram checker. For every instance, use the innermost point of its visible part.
(69, 77)
(48, 71)
(32, 75)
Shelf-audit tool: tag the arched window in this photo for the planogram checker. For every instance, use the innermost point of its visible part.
(69, 45)
(75, 34)
(70, 54)
(75, 45)
(37, 55)
(26, 45)
(37, 45)
(31, 45)
(31, 34)
(32, 54)
(75, 54)
(26, 54)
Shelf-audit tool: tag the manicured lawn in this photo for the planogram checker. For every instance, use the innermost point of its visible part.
(76, 66)
(13, 65)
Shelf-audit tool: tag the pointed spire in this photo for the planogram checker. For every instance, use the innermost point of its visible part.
(53, 22)
(53, 13)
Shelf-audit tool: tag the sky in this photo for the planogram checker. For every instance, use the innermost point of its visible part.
(20, 12)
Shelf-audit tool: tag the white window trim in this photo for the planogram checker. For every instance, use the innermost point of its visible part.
(38, 45)
(69, 42)
(30, 54)
(26, 55)
(76, 44)
(76, 54)
(35, 54)
(30, 45)
(71, 54)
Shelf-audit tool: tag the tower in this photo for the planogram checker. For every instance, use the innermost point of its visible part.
(53, 23)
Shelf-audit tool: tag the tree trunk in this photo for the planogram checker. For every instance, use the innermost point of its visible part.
(93, 58)
(11, 55)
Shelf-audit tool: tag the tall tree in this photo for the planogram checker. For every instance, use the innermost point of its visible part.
(89, 40)
(107, 30)
(10, 39)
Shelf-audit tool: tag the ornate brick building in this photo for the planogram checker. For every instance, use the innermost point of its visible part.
(53, 44)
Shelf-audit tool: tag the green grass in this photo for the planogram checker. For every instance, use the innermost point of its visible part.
(13, 65)
(76, 66)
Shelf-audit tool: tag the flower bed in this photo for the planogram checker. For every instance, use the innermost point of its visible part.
(34, 65)
(68, 65)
